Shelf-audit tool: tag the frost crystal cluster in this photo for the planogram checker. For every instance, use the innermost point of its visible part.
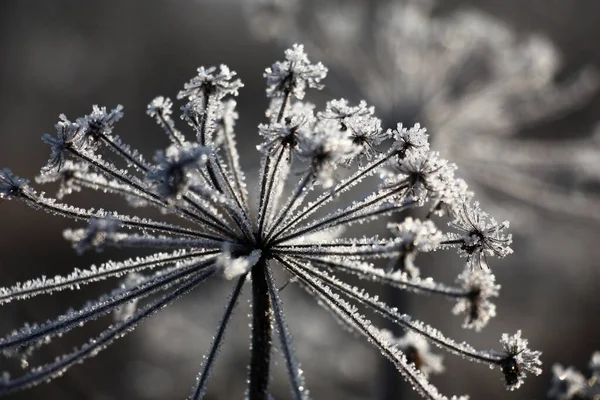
(569, 383)
(310, 196)
(468, 77)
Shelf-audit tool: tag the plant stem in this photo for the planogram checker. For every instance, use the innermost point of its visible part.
(261, 334)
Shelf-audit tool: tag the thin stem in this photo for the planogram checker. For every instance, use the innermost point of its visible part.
(261, 334)
(264, 206)
(300, 190)
(103, 306)
(128, 157)
(291, 362)
(212, 221)
(346, 216)
(356, 323)
(106, 270)
(87, 215)
(58, 367)
(175, 136)
(328, 283)
(402, 282)
(341, 187)
(200, 389)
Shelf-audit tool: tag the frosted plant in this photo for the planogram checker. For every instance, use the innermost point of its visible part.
(296, 229)
(568, 383)
(467, 77)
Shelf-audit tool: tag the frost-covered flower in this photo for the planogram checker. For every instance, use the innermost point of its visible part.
(211, 82)
(294, 75)
(423, 174)
(99, 122)
(176, 169)
(363, 128)
(477, 307)
(518, 359)
(414, 237)
(471, 79)
(298, 228)
(481, 235)
(67, 136)
(569, 383)
(11, 185)
(325, 148)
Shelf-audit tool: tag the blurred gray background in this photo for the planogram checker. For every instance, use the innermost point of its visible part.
(64, 56)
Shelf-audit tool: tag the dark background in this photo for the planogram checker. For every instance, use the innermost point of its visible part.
(64, 56)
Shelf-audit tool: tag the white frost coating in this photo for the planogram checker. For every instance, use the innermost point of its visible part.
(233, 266)
(78, 277)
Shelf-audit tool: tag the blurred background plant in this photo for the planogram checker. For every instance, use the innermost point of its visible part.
(66, 55)
(568, 383)
(466, 76)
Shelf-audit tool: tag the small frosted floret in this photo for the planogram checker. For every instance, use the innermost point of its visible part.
(324, 149)
(99, 122)
(518, 359)
(413, 139)
(299, 122)
(481, 235)
(67, 135)
(416, 235)
(294, 75)
(10, 184)
(363, 128)
(160, 106)
(211, 82)
(452, 197)
(478, 309)
(176, 169)
(422, 174)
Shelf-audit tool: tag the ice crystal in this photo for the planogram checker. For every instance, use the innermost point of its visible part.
(299, 227)
(470, 78)
(568, 383)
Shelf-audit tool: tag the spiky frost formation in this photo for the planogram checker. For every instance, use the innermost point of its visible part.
(471, 79)
(294, 75)
(298, 227)
(569, 383)
(518, 359)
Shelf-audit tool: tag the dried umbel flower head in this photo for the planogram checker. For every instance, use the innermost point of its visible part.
(201, 182)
